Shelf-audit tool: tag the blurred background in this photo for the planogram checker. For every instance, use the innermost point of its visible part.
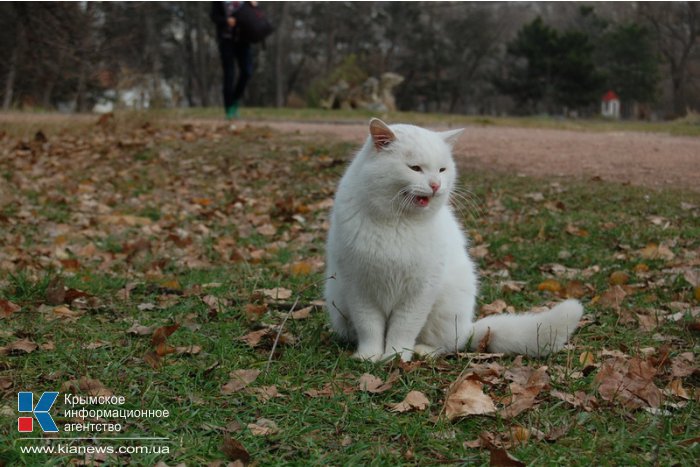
(631, 60)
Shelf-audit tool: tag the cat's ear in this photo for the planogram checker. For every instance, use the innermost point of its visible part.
(451, 136)
(381, 134)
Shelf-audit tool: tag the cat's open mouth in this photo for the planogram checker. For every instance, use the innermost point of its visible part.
(421, 201)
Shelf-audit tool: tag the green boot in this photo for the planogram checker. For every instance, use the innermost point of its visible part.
(232, 112)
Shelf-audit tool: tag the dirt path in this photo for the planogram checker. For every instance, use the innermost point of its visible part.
(646, 159)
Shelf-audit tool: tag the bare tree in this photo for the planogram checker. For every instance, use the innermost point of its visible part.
(677, 28)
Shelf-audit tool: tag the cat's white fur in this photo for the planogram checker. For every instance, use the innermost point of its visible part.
(401, 280)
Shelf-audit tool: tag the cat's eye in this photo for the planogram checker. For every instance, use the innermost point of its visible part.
(415, 168)
(442, 169)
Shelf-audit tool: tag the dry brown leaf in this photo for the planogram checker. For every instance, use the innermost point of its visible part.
(161, 334)
(304, 313)
(254, 338)
(85, 385)
(550, 285)
(675, 387)
(414, 400)
(576, 231)
(628, 382)
(683, 365)
(7, 308)
(5, 382)
(55, 291)
(188, 350)
(64, 313)
(235, 451)
(18, 347)
(239, 380)
(501, 458)
(278, 293)
(484, 342)
(140, 330)
(586, 359)
(654, 251)
(374, 385)
(153, 359)
(253, 312)
(263, 427)
(266, 393)
(301, 268)
(613, 297)
(466, 397)
(498, 306)
(619, 278)
(574, 289)
(577, 399)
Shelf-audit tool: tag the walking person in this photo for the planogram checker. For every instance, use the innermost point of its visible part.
(234, 51)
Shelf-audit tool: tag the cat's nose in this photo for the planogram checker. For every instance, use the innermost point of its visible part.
(435, 186)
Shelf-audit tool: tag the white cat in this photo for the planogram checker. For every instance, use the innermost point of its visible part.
(401, 279)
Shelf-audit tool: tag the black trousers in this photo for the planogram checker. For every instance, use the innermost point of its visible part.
(235, 53)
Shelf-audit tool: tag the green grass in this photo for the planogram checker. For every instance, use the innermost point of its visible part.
(226, 185)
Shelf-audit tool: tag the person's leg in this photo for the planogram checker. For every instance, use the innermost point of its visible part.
(228, 65)
(244, 57)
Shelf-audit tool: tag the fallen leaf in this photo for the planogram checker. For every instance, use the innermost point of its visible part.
(55, 291)
(501, 458)
(263, 427)
(266, 393)
(89, 386)
(239, 380)
(278, 293)
(304, 313)
(574, 289)
(161, 334)
(675, 387)
(465, 397)
(301, 268)
(188, 350)
(628, 382)
(586, 359)
(7, 308)
(550, 285)
(254, 338)
(683, 365)
(140, 330)
(619, 278)
(414, 400)
(5, 382)
(374, 385)
(253, 312)
(64, 313)
(18, 347)
(613, 297)
(493, 308)
(576, 231)
(235, 451)
(654, 251)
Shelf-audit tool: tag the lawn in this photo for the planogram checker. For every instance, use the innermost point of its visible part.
(179, 267)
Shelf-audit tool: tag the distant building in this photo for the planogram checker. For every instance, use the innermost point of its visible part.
(610, 105)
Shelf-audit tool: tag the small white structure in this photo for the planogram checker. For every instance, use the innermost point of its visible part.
(610, 105)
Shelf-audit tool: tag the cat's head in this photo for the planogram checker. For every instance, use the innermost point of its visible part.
(408, 170)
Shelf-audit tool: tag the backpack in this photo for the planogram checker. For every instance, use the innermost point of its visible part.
(252, 23)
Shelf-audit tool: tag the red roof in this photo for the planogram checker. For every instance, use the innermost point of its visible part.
(610, 96)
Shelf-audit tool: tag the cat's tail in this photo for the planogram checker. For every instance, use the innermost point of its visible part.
(534, 334)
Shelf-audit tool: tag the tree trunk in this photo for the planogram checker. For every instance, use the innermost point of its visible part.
(280, 94)
(17, 52)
